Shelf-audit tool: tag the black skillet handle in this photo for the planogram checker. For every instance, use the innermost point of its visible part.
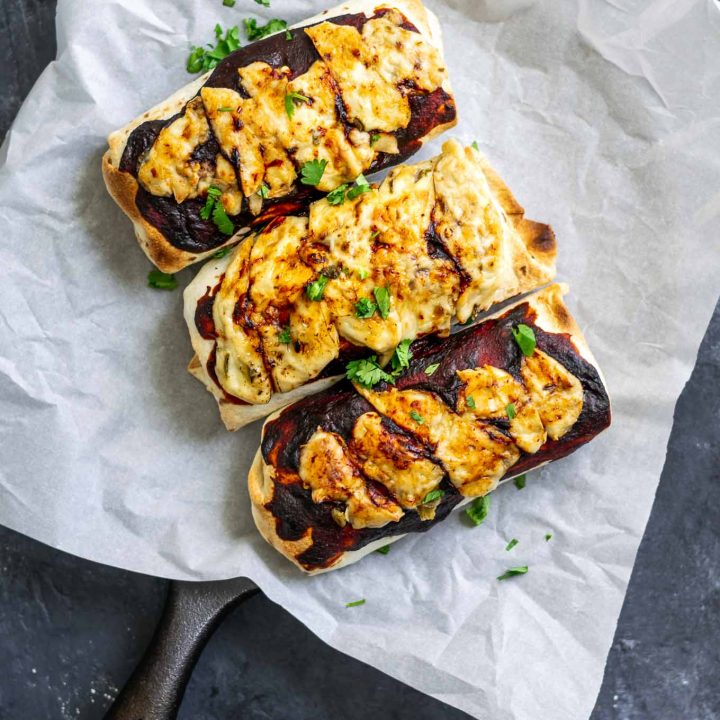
(192, 612)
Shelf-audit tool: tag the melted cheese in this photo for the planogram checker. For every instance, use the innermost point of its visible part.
(239, 363)
(554, 391)
(492, 390)
(474, 454)
(327, 470)
(390, 459)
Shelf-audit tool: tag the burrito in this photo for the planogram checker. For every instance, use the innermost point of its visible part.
(358, 466)
(369, 268)
(278, 123)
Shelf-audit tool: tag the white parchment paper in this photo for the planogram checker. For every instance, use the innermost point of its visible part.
(602, 116)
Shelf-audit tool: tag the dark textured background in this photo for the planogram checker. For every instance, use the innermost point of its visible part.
(71, 631)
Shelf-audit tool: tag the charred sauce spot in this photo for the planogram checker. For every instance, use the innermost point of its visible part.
(337, 410)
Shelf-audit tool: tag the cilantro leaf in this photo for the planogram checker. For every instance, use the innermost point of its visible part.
(264, 3)
(512, 572)
(288, 35)
(430, 369)
(222, 252)
(316, 289)
(264, 191)
(213, 195)
(255, 31)
(312, 172)
(355, 603)
(474, 145)
(548, 536)
(511, 544)
(417, 417)
(511, 411)
(401, 357)
(525, 338)
(382, 298)
(222, 221)
(373, 139)
(161, 281)
(435, 494)
(202, 59)
(520, 482)
(360, 186)
(478, 509)
(363, 273)
(337, 196)
(470, 402)
(367, 372)
(384, 550)
(229, 3)
(290, 99)
(284, 336)
(365, 308)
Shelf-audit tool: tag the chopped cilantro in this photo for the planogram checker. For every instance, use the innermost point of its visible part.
(264, 3)
(512, 544)
(365, 308)
(512, 572)
(202, 59)
(362, 273)
(288, 35)
(478, 509)
(255, 31)
(312, 172)
(367, 372)
(430, 369)
(373, 139)
(435, 494)
(355, 603)
(548, 536)
(520, 481)
(474, 145)
(360, 186)
(222, 252)
(284, 336)
(382, 298)
(401, 357)
(316, 289)
(213, 195)
(384, 550)
(525, 338)
(511, 411)
(470, 402)
(291, 99)
(229, 3)
(222, 221)
(417, 417)
(337, 196)
(264, 191)
(161, 281)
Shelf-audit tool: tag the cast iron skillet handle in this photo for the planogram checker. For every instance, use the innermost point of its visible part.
(192, 612)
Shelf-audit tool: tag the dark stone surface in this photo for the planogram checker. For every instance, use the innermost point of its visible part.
(71, 631)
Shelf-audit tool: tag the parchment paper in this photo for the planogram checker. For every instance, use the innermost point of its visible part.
(603, 118)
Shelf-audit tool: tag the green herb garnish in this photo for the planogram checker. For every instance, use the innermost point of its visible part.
(474, 145)
(520, 481)
(478, 509)
(213, 195)
(225, 109)
(360, 186)
(511, 544)
(284, 336)
(337, 196)
(291, 99)
(384, 550)
(382, 298)
(430, 369)
(512, 572)
(417, 417)
(312, 172)
(433, 495)
(202, 59)
(161, 281)
(255, 31)
(362, 273)
(264, 191)
(365, 308)
(264, 3)
(222, 252)
(316, 289)
(367, 372)
(525, 338)
(548, 536)
(373, 139)
(511, 412)
(288, 35)
(229, 3)
(214, 208)
(401, 357)
(470, 402)
(341, 192)
(355, 603)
